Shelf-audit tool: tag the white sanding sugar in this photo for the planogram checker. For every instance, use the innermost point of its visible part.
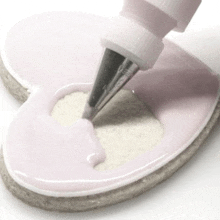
(125, 126)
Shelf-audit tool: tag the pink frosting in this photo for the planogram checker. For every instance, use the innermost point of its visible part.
(58, 53)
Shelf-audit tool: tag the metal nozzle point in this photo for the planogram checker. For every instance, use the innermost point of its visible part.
(115, 71)
(89, 112)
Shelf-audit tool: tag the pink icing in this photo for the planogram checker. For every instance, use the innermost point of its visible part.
(58, 53)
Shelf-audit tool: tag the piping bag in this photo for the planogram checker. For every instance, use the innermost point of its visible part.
(134, 42)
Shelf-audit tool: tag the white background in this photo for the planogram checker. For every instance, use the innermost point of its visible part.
(193, 193)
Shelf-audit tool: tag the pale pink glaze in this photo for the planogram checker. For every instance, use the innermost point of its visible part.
(58, 53)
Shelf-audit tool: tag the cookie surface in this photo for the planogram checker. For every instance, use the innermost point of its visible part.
(170, 90)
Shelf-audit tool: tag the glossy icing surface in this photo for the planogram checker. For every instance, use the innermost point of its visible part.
(58, 53)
